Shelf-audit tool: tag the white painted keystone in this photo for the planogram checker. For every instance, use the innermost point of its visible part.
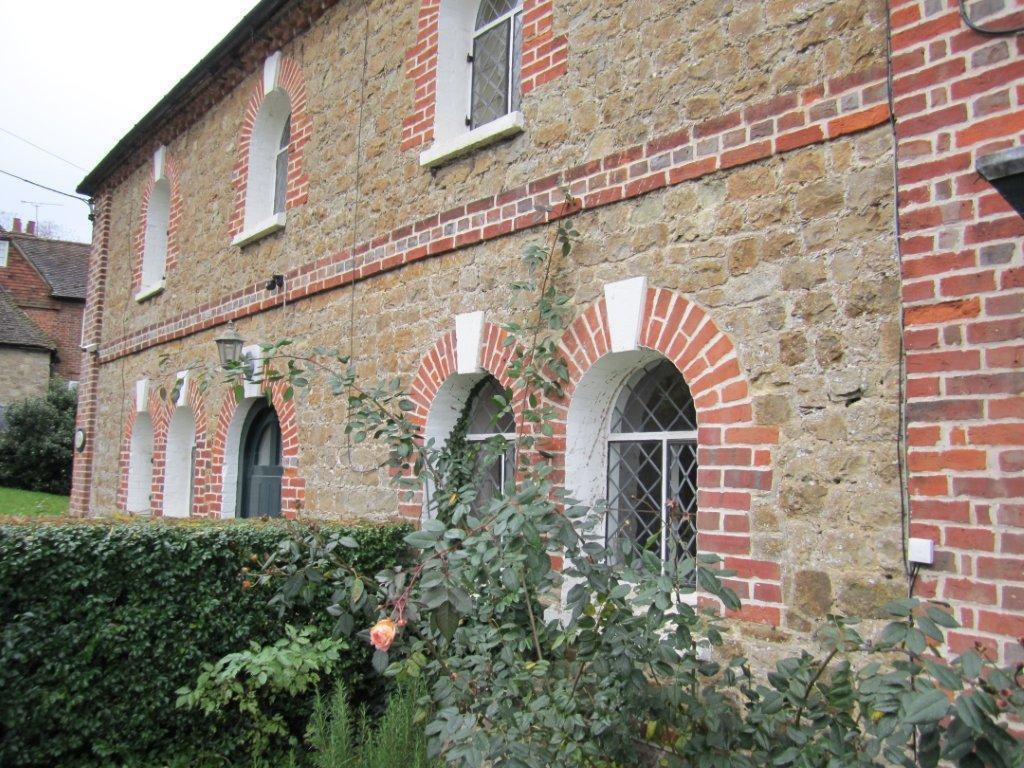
(469, 329)
(624, 301)
(141, 395)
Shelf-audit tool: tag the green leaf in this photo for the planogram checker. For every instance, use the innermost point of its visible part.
(925, 707)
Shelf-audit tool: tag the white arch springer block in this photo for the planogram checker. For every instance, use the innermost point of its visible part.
(469, 331)
(141, 395)
(624, 301)
(159, 159)
(271, 72)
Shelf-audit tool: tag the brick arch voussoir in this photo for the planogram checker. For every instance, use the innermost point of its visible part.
(735, 455)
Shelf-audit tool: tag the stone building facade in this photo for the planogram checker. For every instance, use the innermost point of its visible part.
(733, 170)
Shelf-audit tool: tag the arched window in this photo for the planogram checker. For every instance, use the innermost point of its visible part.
(496, 59)
(490, 426)
(180, 463)
(140, 464)
(652, 464)
(154, 249)
(267, 183)
(476, 437)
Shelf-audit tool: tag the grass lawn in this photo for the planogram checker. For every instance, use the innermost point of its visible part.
(18, 503)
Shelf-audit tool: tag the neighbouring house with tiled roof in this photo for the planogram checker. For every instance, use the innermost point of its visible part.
(42, 297)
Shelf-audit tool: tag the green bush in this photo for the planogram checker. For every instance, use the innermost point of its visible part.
(339, 740)
(35, 448)
(100, 625)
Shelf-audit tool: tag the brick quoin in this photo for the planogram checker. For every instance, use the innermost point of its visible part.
(958, 97)
(544, 58)
(92, 324)
(173, 223)
(292, 81)
(293, 485)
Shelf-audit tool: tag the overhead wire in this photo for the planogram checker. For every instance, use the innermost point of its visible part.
(44, 150)
(48, 189)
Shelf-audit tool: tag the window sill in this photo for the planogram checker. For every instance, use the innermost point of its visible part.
(496, 130)
(149, 291)
(265, 228)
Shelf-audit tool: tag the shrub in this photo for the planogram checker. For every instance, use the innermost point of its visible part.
(101, 623)
(35, 448)
(340, 740)
(617, 666)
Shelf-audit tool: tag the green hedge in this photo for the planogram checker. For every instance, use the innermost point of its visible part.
(100, 624)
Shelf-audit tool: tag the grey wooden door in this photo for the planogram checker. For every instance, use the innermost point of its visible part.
(261, 470)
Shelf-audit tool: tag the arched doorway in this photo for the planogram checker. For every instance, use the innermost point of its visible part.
(260, 470)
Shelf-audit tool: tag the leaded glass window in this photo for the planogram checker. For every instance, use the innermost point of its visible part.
(652, 465)
(281, 167)
(492, 429)
(497, 56)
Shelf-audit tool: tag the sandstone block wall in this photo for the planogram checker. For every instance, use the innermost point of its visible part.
(736, 154)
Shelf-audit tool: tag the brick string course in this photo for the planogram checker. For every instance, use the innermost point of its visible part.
(839, 107)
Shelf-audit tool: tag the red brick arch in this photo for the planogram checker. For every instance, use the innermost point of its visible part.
(195, 399)
(293, 485)
(734, 453)
(437, 366)
(156, 413)
(292, 81)
(170, 169)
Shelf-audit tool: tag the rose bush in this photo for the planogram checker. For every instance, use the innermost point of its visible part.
(592, 664)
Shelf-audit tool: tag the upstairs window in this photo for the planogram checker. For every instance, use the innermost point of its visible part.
(267, 184)
(154, 251)
(496, 60)
(652, 464)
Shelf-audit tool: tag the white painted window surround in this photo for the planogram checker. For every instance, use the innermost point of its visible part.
(140, 465)
(261, 218)
(588, 426)
(158, 222)
(179, 464)
(452, 135)
(5, 247)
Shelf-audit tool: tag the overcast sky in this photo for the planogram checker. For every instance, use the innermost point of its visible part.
(76, 76)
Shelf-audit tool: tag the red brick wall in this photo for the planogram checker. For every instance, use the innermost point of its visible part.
(59, 319)
(960, 95)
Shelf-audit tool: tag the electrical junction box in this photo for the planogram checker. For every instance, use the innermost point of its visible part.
(921, 551)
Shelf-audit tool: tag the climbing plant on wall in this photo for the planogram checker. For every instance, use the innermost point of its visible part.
(606, 658)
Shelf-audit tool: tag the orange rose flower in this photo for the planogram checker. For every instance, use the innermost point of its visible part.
(383, 634)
